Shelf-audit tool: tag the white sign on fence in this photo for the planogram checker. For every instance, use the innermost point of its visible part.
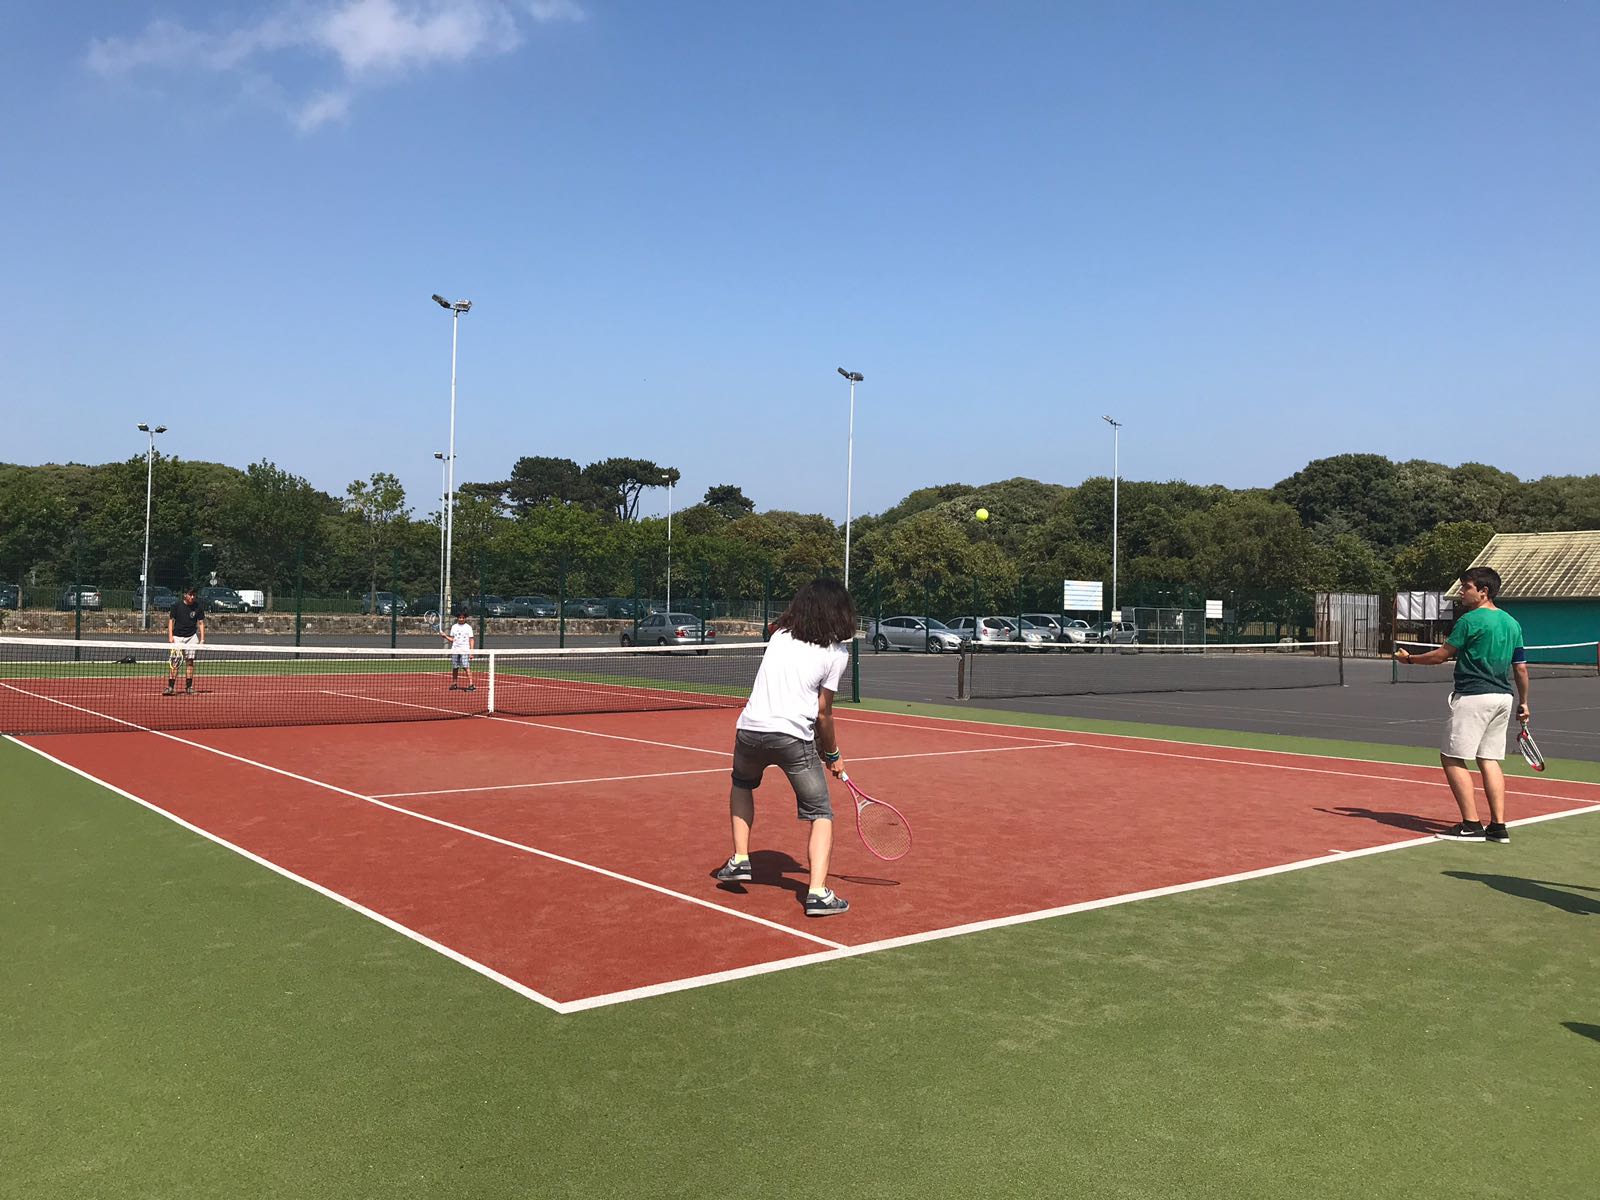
(1422, 606)
(1082, 595)
(1213, 610)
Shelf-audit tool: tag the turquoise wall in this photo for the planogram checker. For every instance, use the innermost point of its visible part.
(1553, 622)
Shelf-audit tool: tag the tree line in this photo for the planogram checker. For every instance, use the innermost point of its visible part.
(1351, 522)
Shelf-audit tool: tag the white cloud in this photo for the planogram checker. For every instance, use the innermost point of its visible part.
(368, 42)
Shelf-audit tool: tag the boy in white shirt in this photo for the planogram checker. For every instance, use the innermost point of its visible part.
(788, 723)
(460, 639)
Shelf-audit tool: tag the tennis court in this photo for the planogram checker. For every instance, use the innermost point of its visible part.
(567, 855)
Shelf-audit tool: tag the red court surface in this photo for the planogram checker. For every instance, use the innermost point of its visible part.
(570, 858)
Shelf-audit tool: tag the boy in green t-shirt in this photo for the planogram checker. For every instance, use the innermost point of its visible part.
(1490, 659)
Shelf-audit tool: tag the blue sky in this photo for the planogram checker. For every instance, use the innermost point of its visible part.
(1256, 233)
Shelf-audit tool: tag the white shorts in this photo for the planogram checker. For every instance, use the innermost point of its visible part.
(1477, 726)
(185, 647)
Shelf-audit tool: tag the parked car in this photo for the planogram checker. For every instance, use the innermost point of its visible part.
(584, 606)
(254, 599)
(1040, 636)
(222, 599)
(913, 633)
(10, 596)
(84, 595)
(1071, 632)
(425, 604)
(668, 629)
(986, 631)
(1117, 633)
(533, 606)
(621, 607)
(161, 599)
(488, 606)
(384, 604)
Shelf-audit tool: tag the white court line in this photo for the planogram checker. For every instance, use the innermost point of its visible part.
(423, 939)
(934, 935)
(547, 783)
(451, 825)
(1096, 745)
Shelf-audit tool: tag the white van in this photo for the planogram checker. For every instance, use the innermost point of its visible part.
(253, 601)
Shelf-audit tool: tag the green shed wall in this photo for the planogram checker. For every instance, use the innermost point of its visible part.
(1553, 622)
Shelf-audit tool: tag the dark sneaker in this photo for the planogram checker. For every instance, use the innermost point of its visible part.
(471, 687)
(829, 904)
(167, 691)
(455, 687)
(733, 872)
(1466, 831)
(1497, 833)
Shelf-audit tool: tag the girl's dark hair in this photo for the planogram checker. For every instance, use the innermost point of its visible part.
(1485, 579)
(821, 613)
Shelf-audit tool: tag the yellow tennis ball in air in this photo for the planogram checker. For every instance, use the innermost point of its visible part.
(982, 514)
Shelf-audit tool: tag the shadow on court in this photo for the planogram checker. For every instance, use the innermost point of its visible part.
(1542, 890)
(771, 868)
(1592, 1032)
(1399, 820)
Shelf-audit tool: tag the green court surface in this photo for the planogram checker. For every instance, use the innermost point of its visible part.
(179, 1021)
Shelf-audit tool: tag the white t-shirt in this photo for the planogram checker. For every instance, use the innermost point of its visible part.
(460, 638)
(784, 698)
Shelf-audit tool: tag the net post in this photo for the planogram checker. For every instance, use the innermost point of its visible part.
(961, 671)
(1339, 650)
(299, 589)
(493, 659)
(855, 669)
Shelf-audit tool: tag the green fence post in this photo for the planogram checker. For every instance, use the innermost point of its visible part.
(636, 602)
(394, 598)
(561, 601)
(855, 670)
(483, 611)
(77, 597)
(299, 589)
(927, 616)
(705, 598)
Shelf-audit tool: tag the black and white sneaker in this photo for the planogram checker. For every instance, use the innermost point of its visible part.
(733, 872)
(471, 687)
(168, 690)
(1466, 831)
(1496, 833)
(829, 904)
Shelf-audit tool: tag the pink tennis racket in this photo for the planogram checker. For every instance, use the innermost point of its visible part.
(1529, 749)
(883, 828)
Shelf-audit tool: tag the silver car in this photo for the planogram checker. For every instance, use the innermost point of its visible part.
(1070, 632)
(913, 633)
(992, 631)
(669, 629)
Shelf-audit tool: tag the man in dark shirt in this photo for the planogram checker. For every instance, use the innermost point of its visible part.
(186, 631)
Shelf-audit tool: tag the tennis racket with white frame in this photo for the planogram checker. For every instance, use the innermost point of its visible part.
(883, 828)
(1529, 748)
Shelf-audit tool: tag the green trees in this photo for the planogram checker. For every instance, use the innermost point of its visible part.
(378, 505)
(268, 518)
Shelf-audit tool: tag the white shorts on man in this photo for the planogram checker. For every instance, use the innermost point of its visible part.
(1478, 725)
(185, 647)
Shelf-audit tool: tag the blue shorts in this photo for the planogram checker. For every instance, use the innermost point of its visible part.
(461, 660)
(754, 752)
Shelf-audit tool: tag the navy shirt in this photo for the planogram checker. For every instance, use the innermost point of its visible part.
(186, 618)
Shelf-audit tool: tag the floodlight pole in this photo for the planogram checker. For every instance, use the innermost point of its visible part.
(149, 480)
(455, 308)
(854, 377)
(1116, 474)
(444, 503)
(669, 544)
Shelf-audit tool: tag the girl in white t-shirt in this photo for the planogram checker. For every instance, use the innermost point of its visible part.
(788, 723)
(460, 639)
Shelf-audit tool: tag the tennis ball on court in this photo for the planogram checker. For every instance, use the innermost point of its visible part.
(982, 514)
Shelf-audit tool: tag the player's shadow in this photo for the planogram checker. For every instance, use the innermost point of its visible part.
(1592, 1032)
(1400, 820)
(1543, 890)
(771, 868)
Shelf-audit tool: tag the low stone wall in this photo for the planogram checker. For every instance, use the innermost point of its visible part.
(115, 623)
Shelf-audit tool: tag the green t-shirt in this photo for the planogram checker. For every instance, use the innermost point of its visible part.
(1487, 641)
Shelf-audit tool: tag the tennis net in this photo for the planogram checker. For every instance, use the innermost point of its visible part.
(1568, 660)
(65, 686)
(1008, 670)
